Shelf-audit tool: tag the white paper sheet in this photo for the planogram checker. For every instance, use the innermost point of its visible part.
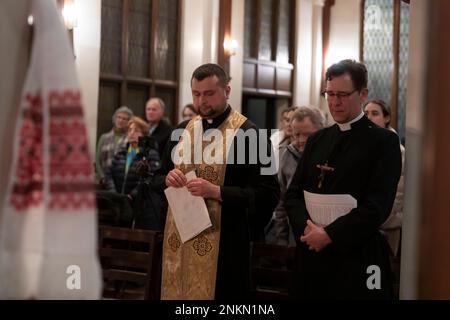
(189, 212)
(325, 208)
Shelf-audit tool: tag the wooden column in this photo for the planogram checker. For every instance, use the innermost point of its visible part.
(326, 34)
(434, 259)
(224, 33)
(396, 64)
(124, 53)
(361, 30)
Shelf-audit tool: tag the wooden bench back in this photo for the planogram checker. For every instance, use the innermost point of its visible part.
(130, 259)
(271, 271)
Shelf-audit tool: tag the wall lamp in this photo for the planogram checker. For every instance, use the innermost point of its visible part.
(230, 46)
(69, 13)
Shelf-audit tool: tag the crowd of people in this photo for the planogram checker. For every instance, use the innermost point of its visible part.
(359, 156)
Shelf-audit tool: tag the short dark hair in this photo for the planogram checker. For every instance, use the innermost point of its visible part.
(383, 106)
(356, 70)
(211, 69)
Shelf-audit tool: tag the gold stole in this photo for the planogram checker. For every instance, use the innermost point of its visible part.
(189, 269)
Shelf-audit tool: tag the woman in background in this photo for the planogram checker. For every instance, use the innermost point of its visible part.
(111, 142)
(304, 121)
(188, 112)
(131, 172)
(379, 113)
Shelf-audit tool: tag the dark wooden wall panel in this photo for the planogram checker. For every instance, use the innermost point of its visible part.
(249, 75)
(109, 98)
(136, 98)
(269, 38)
(266, 77)
(284, 78)
(139, 56)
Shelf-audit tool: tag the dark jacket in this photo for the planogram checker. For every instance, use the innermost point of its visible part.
(146, 203)
(367, 164)
(162, 135)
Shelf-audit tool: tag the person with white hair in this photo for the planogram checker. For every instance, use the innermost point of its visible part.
(304, 121)
(160, 129)
(112, 141)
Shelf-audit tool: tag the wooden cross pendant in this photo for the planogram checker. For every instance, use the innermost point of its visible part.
(323, 170)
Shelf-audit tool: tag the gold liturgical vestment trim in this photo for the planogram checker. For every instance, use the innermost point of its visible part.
(189, 269)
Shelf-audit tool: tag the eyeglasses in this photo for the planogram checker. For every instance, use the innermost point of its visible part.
(340, 95)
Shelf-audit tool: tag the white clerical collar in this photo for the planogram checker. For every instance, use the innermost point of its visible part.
(347, 126)
(209, 120)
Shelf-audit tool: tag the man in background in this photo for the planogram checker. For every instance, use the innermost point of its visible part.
(160, 129)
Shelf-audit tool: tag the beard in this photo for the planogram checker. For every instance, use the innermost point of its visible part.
(206, 112)
(211, 112)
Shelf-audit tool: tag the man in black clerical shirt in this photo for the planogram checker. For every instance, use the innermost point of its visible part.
(347, 258)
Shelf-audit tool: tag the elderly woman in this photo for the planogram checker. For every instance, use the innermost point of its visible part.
(131, 174)
(304, 121)
(379, 113)
(110, 142)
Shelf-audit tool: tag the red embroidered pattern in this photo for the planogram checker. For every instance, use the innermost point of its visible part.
(71, 176)
(28, 181)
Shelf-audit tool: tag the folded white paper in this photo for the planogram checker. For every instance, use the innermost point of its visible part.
(189, 212)
(325, 208)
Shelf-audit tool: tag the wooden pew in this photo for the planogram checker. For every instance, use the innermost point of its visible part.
(131, 263)
(271, 271)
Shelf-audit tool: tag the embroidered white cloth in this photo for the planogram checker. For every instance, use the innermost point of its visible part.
(48, 224)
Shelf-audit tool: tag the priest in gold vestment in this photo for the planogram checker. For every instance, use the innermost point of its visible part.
(239, 194)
